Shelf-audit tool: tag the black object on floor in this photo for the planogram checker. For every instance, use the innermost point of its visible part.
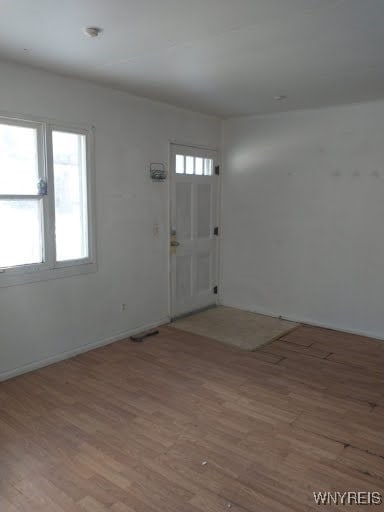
(140, 337)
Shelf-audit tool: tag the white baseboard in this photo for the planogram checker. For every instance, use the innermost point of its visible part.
(84, 348)
(306, 321)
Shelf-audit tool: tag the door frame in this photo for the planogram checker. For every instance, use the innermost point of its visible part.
(172, 143)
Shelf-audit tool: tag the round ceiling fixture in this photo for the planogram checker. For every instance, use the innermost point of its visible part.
(93, 31)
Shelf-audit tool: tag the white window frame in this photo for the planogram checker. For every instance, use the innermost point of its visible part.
(50, 268)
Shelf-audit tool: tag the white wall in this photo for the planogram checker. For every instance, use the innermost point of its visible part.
(303, 218)
(40, 322)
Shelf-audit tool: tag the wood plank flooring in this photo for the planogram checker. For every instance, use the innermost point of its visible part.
(182, 423)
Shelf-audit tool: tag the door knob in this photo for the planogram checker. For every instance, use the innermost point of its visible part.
(175, 243)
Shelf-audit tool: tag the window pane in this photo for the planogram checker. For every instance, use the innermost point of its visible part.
(18, 160)
(180, 164)
(69, 159)
(20, 232)
(190, 165)
(199, 166)
(208, 166)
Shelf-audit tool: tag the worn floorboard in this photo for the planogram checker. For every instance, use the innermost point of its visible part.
(182, 423)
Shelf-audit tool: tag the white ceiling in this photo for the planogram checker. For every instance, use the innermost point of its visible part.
(226, 57)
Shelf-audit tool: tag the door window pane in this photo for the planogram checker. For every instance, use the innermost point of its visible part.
(20, 232)
(208, 166)
(199, 166)
(190, 168)
(71, 211)
(18, 160)
(179, 164)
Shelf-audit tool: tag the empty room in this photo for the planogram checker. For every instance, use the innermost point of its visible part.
(191, 255)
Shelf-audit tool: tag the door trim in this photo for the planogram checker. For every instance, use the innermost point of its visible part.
(172, 143)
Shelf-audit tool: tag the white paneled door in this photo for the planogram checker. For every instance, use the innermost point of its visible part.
(194, 229)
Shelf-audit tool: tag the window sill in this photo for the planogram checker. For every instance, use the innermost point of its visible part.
(34, 276)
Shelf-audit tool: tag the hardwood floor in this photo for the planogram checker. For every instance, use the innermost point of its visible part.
(182, 423)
